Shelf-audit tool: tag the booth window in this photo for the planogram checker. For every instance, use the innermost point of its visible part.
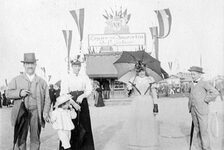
(118, 85)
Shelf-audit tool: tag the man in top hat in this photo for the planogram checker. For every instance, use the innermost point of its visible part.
(33, 90)
(201, 94)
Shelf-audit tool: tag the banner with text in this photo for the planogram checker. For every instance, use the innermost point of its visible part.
(134, 39)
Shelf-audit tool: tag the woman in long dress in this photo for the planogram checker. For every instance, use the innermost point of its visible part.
(79, 86)
(142, 125)
(99, 96)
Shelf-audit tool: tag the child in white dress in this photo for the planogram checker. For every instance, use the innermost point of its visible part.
(61, 119)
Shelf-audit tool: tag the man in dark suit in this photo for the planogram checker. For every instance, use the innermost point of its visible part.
(200, 95)
(106, 89)
(52, 95)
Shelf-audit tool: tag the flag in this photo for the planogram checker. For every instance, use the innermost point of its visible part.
(43, 69)
(6, 83)
(49, 78)
(44, 72)
(78, 16)
(170, 65)
(68, 40)
(154, 33)
(164, 20)
(128, 18)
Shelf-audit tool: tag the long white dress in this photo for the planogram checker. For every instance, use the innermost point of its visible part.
(216, 124)
(142, 125)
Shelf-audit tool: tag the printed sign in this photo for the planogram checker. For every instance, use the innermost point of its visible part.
(117, 39)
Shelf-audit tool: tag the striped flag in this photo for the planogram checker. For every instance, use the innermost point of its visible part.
(165, 20)
(44, 70)
(6, 83)
(170, 65)
(154, 33)
(49, 78)
(78, 16)
(68, 40)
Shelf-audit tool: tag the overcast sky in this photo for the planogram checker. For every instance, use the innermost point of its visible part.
(35, 26)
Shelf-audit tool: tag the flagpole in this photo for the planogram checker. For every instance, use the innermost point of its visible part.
(68, 39)
(80, 46)
(200, 60)
(6, 83)
(156, 38)
(68, 60)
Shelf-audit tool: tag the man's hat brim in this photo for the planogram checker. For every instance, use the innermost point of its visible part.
(196, 71)
(29, 61)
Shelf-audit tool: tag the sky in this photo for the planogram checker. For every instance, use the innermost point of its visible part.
(36, 26)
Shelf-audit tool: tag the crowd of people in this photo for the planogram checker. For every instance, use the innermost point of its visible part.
(170, 89)
(70, 116)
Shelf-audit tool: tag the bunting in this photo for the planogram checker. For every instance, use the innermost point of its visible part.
(6, 83)
(170, 65)
(68, 40)
(49, 78)
(154, 33)
(164, 20)
(78, 16)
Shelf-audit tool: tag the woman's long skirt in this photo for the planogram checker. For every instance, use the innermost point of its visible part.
(142, 126)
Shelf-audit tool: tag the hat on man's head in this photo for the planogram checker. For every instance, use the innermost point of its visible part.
(29, 58)
(196, 69)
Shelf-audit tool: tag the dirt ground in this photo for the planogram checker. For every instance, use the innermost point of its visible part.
(174, 123)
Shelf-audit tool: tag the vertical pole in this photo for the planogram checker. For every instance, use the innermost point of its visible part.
(155, 38)
(200, 60)
(156, 46)
(6, 83)
(68, 63)
(80, 47)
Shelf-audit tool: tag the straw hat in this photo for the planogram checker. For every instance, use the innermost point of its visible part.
(63, 99)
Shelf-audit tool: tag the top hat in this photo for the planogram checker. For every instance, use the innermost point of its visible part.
(63, 99)
(29, 58)
(196, 69)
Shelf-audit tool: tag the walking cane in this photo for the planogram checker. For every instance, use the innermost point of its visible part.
(191, 134)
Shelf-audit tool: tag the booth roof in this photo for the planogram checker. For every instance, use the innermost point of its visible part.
(101, 65)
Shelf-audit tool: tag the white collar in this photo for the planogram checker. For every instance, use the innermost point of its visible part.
(30, 77)
(198, 79)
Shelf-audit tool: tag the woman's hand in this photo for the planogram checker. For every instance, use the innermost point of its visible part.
(155, 114)
(75, 105)
(46, 117)
(79, 99)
